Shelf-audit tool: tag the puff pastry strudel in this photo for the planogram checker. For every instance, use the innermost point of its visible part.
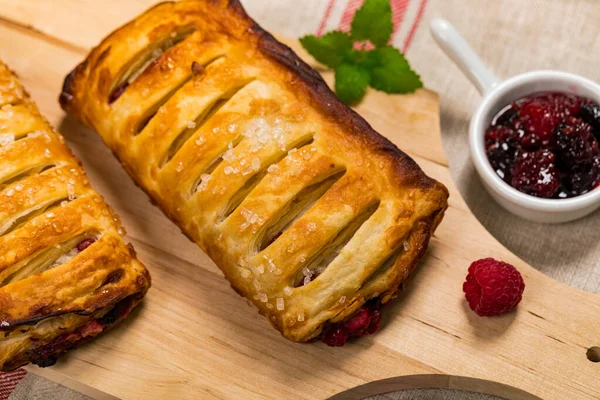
(307, 210)
(65, 273)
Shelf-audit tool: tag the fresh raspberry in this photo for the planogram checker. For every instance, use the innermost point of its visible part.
(535, 173)
(574, 142)
(493, 287)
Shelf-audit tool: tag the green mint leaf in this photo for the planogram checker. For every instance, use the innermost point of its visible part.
(390, 72)
(351, 81)
(329, 49)
(373, 21)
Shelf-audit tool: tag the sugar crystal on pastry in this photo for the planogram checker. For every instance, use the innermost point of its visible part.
(255, 164)
(280, 303)
(204, 178)
(245, 273)
(263, 297)
(6, 138)
(229, 155)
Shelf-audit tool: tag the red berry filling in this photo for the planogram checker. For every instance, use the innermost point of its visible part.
(117, 92)
(85, 244)
(363, 322)
(47, 355)
(493, 287)
(546, 145)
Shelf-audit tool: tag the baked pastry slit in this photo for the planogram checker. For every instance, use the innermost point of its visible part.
(205, 176)
(204, 116)
(140, 62)
(192, 119)
(16, 123)
(44, 191)
(415, 241)
(11, 222)
(330, 251)
(22, 175)
(155, 107)
(193, 74)
(269, 166)
(296, 208)
(9, 101)
(11, 94)
(46, 259)
(14, 167)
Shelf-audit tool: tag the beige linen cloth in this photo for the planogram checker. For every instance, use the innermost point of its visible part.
(512, 36)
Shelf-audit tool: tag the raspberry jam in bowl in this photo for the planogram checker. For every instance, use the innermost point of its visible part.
(533, 138)
(546, 145)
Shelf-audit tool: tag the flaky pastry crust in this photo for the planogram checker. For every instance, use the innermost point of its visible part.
(65, 273)
(303, 206)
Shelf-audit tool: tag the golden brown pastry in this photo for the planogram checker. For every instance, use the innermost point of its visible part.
(65, 273)
(308, 212)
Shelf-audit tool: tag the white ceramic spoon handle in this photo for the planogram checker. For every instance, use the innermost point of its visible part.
(463, 55)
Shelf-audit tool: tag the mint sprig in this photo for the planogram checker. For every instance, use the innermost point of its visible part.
(351, 80)
(373, 22)
(330, 49)
(384, 68)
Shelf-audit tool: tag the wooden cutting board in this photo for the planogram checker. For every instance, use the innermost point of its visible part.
(195, 338)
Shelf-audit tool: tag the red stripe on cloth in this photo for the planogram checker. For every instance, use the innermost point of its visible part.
(398, 10)
(349, 12)
(325, 17)
(415, 25)
(8, 382)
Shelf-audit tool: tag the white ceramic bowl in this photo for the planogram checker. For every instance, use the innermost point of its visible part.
(497, 95)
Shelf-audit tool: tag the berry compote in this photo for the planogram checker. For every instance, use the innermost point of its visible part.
(546, 145)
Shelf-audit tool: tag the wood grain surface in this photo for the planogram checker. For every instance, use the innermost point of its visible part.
(195, 338)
